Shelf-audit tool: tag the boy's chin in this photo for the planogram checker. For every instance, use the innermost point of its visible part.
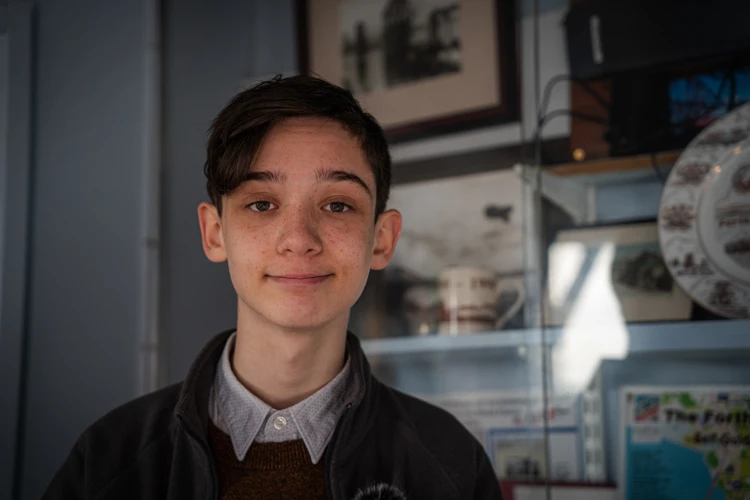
(294, 314)
(302, 321)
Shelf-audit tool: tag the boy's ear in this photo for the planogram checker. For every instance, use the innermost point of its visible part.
(213, 238)
(387, 231)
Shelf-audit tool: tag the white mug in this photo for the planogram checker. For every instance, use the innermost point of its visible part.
(469, 297)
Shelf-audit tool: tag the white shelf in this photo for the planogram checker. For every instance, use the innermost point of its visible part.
(689, 336)
(507, 339)
(643, 338)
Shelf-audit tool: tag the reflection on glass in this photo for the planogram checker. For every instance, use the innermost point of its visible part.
(594, 329)
(568, 258)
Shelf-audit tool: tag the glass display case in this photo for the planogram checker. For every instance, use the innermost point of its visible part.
(552, 387)
(533, 300)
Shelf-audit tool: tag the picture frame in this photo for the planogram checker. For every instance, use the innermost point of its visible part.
(602, 274)
(450, 67)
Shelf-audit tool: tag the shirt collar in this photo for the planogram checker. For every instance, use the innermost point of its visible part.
(241, 414)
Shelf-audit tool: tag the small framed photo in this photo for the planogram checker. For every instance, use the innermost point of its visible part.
(612, 273)
(420, 67)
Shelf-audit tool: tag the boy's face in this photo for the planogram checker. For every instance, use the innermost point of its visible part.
(299, 235)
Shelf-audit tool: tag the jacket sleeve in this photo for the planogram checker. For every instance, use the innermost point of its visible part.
(69, 481)
(487, 485)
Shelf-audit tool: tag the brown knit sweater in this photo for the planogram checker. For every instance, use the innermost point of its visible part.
(271, 471)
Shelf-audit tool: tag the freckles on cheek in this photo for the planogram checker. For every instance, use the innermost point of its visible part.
(257, 251)
(353, 247)
(250, 247)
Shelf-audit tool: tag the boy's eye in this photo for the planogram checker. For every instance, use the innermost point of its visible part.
(261, 206)
(337, 207)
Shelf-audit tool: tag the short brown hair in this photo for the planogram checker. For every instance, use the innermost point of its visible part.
(238, 130)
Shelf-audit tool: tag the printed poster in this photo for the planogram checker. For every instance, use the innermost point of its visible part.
(685, 442)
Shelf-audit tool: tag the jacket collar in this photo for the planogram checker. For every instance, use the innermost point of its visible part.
(192, 406)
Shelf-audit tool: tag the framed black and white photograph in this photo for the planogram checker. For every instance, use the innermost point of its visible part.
(616, 272)
(421, 67)
(386, 44)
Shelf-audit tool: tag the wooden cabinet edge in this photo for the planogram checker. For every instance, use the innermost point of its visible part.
(607, 165)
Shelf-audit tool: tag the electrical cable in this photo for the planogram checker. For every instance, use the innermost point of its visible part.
(543, 117)
(563, 112)
(657, 172)
(575, 114)
(605, 104)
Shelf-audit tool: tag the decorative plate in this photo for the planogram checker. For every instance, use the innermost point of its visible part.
(704, 217)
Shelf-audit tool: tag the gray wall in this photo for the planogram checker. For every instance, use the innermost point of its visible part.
(4, 82)
(210, 49)
(84, 217)
(14, 178)
(8, 381)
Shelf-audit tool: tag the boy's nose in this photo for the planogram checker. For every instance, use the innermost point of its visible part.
(299, 233)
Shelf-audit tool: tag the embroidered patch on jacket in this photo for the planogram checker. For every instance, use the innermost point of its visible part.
(380, 491)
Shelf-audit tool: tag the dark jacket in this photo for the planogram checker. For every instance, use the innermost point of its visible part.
(157, 447)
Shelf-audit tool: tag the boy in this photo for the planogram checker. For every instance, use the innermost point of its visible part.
(284, 406)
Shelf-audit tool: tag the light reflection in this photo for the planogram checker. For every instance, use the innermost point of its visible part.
(566, 258)
(594, 330)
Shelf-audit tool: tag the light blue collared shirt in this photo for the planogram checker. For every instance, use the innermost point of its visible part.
(246, 419)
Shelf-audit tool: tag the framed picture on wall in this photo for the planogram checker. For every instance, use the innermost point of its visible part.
(610, 274)
(421, 67)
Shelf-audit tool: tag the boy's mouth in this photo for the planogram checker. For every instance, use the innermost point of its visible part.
(299, 279)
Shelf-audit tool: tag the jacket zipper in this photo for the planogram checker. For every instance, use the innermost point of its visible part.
(208, 455)
(329, 452)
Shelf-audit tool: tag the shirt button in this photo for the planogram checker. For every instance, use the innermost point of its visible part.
(279, 422)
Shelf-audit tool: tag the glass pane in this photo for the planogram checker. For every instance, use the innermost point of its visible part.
(653, 347)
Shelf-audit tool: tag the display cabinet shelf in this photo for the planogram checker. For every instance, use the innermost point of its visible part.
(619, 164)
(642, 338)
(509, 340)
(695, 336)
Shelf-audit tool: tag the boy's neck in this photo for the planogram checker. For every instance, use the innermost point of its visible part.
(283, 367)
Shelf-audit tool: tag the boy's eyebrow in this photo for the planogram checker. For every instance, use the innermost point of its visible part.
(320, 176)
(265, 176)
(342, 175)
